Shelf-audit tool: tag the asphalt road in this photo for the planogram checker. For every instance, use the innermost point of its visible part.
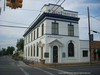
(9, 66)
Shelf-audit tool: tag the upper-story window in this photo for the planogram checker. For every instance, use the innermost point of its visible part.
(42, 29)
(70, 30)
(37, 32)
(28, 38)
(34, 34)
(55, 28)
(31, 36)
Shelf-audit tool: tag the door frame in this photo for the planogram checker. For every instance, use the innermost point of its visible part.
(55, 54)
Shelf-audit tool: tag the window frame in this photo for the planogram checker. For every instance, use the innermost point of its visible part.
(71, 52)
(55, 28)
(70, 30)
(85, 53)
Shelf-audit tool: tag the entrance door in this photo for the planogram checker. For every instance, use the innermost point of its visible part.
(55, 54)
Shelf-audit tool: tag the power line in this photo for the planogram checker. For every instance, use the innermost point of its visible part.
(13, 22)
(95, 18)
(60, 5)
(56, 4)
(27, 9)
(12, 26)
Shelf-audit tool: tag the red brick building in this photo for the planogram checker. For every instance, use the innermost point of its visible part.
(95, 51)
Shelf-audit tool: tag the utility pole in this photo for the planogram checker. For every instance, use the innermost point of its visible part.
(4, 6)
(89, 33)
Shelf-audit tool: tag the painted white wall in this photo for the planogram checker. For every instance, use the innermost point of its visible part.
(62, 41)
(84, 45)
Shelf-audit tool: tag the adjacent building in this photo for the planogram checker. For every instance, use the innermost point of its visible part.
(54, 37)
(95, 51)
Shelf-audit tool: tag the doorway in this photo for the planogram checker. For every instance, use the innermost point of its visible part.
(55, 54)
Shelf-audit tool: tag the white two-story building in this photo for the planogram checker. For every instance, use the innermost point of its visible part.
(54, 37)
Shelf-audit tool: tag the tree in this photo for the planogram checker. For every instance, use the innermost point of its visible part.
(10, 50)
(3, 51)
(20, 44)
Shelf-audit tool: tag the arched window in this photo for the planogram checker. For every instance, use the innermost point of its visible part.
(70, 49)
(28, 51)
(37, 50)
(31, 50)
(34, 50)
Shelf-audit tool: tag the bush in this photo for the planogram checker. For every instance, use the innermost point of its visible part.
(16, 57)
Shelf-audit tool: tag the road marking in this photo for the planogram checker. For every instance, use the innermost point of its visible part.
(57, 70)
(24, 71)
(62, 72)
(44, 71)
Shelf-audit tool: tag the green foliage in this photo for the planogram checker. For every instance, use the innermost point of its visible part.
(10, 50)
(17, 57)
(20, 44)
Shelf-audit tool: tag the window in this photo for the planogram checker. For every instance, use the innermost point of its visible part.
(28, 51)
(31, 36)
(85, 53)
(37, 50)
(31, 50)
(28, 38)
(70, 49)
(37, 32)
(71, 30)
(55, 28)
(34, 49)
(34, 35)
(42, 29)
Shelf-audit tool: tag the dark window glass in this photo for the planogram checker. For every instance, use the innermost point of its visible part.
(34, 50)
(70, 49)
(31, 50)
(28, 50)
(37, 50)
(34, 35)
(42, 29)
(85, 53)
(55, 28)
(71, 30)
(31, 36)
(37, 32)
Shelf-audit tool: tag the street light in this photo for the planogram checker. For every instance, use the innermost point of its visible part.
(95, 31)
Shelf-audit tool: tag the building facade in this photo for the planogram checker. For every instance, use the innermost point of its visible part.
(95, 51)
(54, 37)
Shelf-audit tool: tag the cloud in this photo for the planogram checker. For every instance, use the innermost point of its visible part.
(6, 43)
(31, 8)
(11, 32)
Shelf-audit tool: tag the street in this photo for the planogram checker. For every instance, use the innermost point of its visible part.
(9, 66)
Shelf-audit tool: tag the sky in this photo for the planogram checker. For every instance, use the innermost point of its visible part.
(30, 10)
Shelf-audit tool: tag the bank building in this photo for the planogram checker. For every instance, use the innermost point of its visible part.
(54, 37)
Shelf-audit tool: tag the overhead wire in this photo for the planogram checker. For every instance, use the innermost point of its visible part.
(59, 5)
(95, 18)
(12, 26)
(56, 4)
(13, 22)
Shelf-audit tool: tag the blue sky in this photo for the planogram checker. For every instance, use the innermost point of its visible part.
(31, 8)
